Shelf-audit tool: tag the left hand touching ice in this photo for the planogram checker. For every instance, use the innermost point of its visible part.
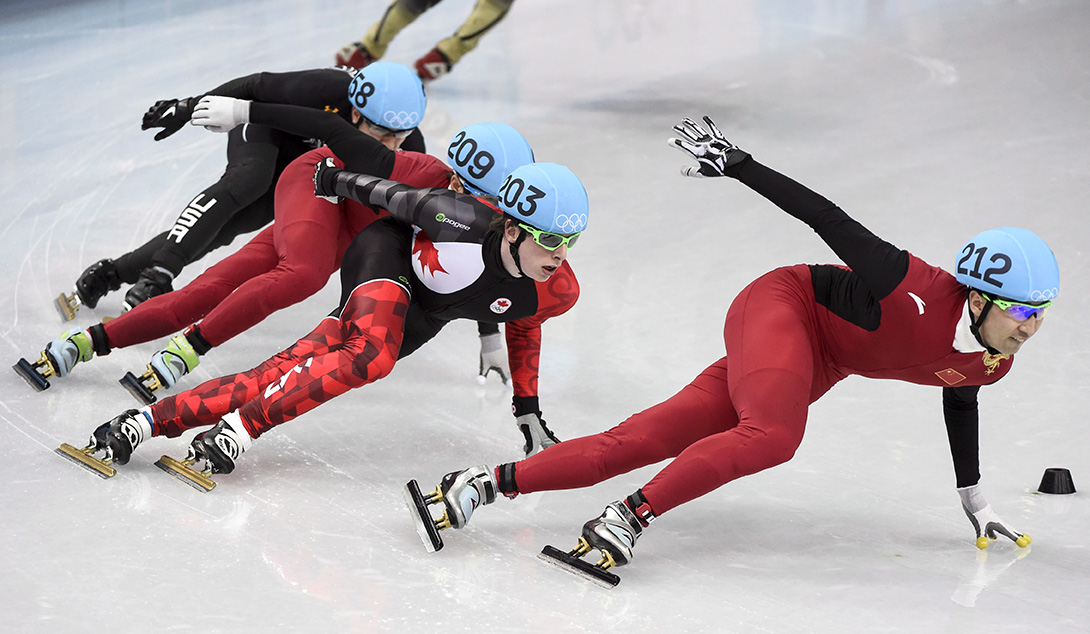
(221, 114)
(493, 358)
(987, 523)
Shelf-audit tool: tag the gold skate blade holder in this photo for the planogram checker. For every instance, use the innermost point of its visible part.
(571, 562)
(184, 471)
(84, 458)
(142, 387)
(67, 305)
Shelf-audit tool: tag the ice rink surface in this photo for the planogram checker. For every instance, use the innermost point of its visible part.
(928, 121)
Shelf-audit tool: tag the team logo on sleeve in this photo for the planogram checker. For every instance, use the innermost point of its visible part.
(501, 305)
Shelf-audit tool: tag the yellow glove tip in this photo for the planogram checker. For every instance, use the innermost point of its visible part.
(1023, 541)
(981, 542)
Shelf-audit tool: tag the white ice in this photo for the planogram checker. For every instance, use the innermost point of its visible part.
(927, 120)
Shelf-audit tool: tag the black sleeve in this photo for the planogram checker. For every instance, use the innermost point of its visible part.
(959, 408)
(360, 152)
(322, 88)
(878, 263)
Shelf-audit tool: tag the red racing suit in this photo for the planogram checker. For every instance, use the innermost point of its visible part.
(790, 336)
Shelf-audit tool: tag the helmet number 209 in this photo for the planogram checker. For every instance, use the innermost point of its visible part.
(464, 152)
(515, 190)
(1001, 260)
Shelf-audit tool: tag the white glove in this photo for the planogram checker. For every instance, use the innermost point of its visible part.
(535, 432)
(493, 358)
(709, 147)
(986, 522)
(221, 114)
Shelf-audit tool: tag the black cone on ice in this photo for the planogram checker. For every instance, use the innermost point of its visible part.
(1057, 481)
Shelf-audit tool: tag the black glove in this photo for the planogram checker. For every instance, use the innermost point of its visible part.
(325, 175)
(168, 114)
(709, 147)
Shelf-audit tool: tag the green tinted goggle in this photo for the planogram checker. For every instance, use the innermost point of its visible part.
(548, 240)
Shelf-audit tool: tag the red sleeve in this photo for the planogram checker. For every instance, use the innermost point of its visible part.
(554, 298)
(420, 170)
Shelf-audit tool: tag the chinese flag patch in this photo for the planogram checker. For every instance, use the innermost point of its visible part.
(950, 376)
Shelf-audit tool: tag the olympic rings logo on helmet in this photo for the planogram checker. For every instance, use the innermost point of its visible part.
(571, 223)
(400, 120)
(1045, 295)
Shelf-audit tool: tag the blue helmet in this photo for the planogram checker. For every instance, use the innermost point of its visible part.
(483, 154)
(546, 196)
(389, 95)
(1009, 262)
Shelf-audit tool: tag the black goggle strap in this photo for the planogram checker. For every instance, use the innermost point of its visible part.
(514, 246)
(974, 324)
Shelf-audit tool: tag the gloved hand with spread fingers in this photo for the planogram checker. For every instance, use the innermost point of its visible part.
(986, 522)
(168, 114)
(708, 146)
(493, 358)
(220, 114)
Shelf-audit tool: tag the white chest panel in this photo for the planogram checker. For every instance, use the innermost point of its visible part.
(446, 267)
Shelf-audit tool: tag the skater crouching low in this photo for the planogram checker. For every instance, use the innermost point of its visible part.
(790, 336)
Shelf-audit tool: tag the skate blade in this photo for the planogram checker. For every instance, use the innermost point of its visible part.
(67, 305)
(181, 470)
(575, 565)
(136, 387)
(26, 370)
(425, 525)
(84, 459)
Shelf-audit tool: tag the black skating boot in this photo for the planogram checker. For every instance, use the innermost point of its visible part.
(221, 446)
(114, 440)
(99, 278)
(152, 282)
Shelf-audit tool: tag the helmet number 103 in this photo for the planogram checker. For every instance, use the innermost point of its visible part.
(1001, 260)
(515, 190)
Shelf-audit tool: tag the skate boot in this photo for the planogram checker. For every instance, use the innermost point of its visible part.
(613, 534)
(153, 282)
(58, 358)
(218, 449)
(461, 492)
(166, 367)
(354, 55)
(99, 278)
(432, 66)
(116, 440)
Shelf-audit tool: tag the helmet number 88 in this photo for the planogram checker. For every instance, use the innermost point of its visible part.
(463, 151)
(1001, 260)
(515, 191)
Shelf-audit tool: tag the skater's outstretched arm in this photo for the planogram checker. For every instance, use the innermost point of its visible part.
(879, 264)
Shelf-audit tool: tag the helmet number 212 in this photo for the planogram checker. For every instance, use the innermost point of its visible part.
(1001, 260)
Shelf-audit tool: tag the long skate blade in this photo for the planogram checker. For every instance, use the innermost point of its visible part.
(138, 390)
(185, 473)
(83, 459)
(26, 370)
(577, 566)
(67, 305)
(425, 525)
